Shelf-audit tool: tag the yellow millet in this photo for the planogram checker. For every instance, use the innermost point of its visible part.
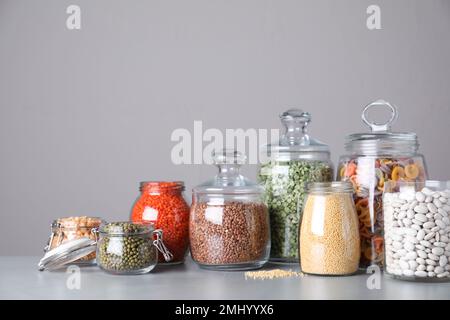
(329, 235)
(271, 274)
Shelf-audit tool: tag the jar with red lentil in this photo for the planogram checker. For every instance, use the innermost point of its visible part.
(229, 222)
(162, 203)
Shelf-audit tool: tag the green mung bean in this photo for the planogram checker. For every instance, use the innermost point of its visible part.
(126, 247)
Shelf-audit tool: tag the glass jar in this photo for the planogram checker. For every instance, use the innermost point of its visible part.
(374, 159)
(329, 234)
(163, 204)
(293, 161)
(417, 230)
(229, 223)
(129, 248)
(67, 229)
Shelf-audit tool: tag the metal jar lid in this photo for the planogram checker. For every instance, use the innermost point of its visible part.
(381, 140)
(66, 253)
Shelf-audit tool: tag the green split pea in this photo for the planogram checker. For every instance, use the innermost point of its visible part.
(285, 185)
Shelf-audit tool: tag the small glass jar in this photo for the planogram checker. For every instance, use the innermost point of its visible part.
(130, 248)
(329, 235)
(374, 159)
(163, 204)
(292, 162)
(229, 223)
(67, 229)
(417, 230)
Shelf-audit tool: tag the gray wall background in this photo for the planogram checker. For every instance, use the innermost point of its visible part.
(85, 115)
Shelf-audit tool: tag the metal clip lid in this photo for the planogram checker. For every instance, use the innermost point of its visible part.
(159, 244)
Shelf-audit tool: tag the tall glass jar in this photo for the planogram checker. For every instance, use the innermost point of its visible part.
(293, 161)
(329, 235)
(374, 159)
(229, 223)
(163, 204)
(417, 230)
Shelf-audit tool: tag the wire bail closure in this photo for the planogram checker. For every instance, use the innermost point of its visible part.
(380, 127)
(159, 244)
(52, 236)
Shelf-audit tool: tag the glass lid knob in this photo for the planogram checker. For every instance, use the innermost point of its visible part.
(228, 156)
(295, 122)
(379, 127)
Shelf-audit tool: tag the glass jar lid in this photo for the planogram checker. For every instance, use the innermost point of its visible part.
(229, 179)
(381, 140)
(66, 253)
(295, 141)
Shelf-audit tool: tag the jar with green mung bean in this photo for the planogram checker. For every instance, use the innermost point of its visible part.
(287, 166)
(129, 248)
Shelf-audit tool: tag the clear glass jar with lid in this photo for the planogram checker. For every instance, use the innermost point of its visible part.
(374, 159)
(229, 223)
(66, 229)
(417, 230)
(293, 161)
(130, 247)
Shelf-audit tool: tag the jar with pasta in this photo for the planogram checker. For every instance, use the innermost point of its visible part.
(374, 159)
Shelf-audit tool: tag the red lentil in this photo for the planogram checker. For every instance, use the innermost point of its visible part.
(162, 203)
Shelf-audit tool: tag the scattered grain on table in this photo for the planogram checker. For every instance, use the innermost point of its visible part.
(272, 274)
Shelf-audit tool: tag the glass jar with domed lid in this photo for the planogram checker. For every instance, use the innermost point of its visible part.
(229, 222)
(373, 161)
(292, 162)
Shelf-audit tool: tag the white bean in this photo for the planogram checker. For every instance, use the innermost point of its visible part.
(443, 261)
(437, 203)
(443, 275)
(438, 251)
(420, 197)
(421, 267)
(430, 262)
(421, 208)
(421, 274)
(429, 225)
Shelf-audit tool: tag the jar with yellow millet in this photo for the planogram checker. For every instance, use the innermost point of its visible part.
(329, 237)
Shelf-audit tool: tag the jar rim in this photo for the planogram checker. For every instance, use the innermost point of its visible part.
(56, 223)
(147, 227)
(426, 183)
(331, 187)
(383, 143)
(161, 185)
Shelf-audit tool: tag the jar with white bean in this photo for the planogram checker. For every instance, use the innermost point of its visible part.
(417, 230)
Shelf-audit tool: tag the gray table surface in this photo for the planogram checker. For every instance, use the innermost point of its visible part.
(20, 279)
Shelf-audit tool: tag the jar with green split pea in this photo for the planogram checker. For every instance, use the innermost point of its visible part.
(287, 166)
